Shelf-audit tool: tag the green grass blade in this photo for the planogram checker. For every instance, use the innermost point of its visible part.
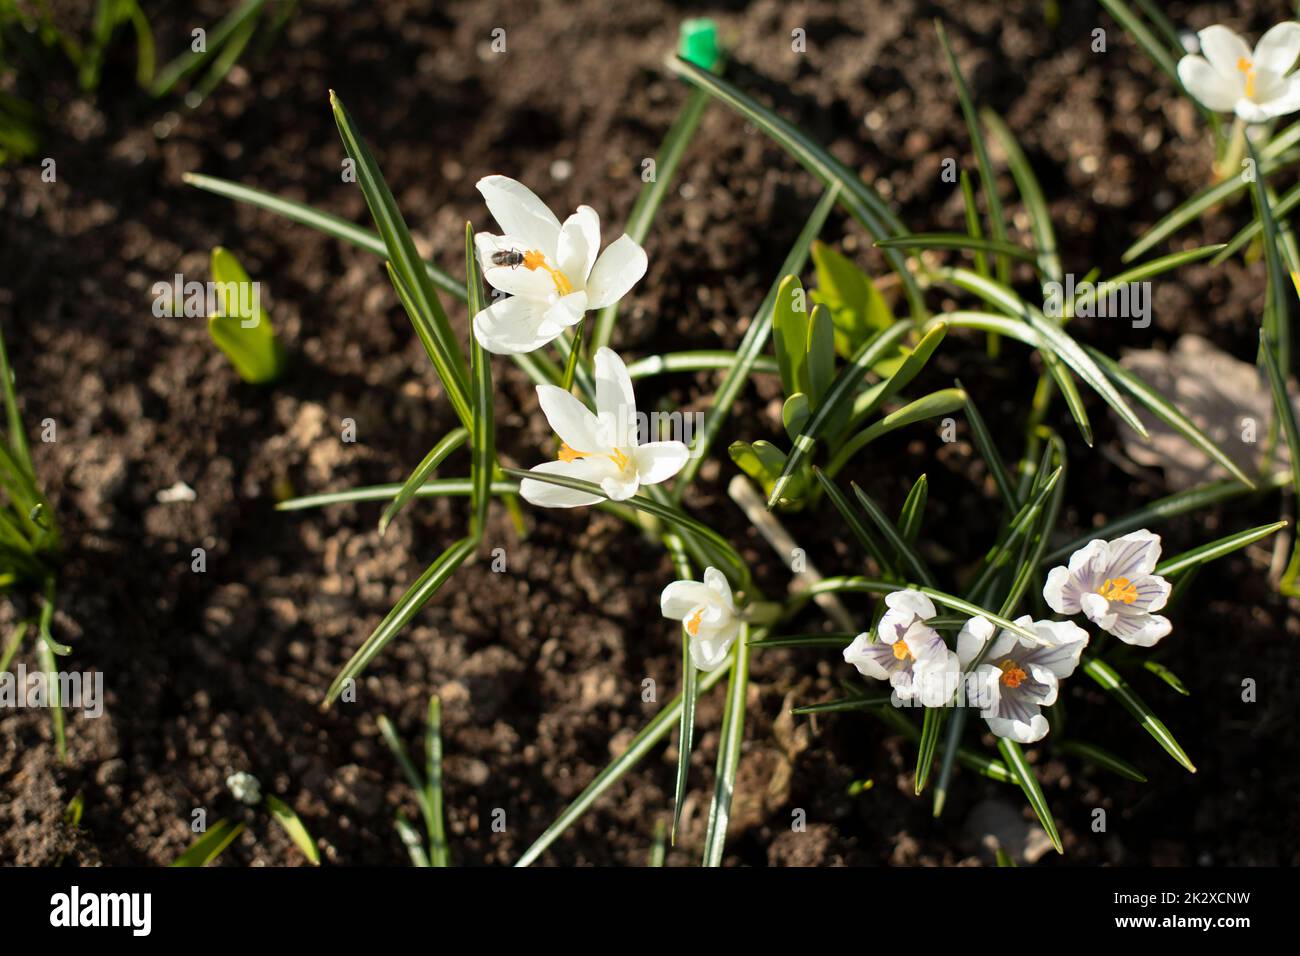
(938, 403)
(1053, 338)
(1117, 687)
(289, 821)
(1040, 217)
(653, 732)
(439, 851)
(1171, 506)
(191, 60)
(984, 442)
(732, 734)
(960, 241)
(411, 840)
(912, 513)
(861, 201)
(209, 846)
(1102, 758)
(703, 360)
(436, 456)
(1014, 758)
(447, 356)
(1285, 204)
(45, 655)
(415, 598)
(1277, 322)
(242, 329)
(908, 555)
(931, 726)
(913, 362)
(856, 525)
(483, 442)
(752, 345)
(15, 435)
(1216, 549)
(988, 179)
(970, 759)
(1168, 676)
(322, 222)
(671, 151)
(842, 705)
(839, 640)
(686, 729)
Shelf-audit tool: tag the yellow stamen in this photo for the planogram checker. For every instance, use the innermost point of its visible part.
(534, 260)
(1013, 675)
(693, 625)
(901, 651)
(1119, 589)
(570, 454)
(618, 458)
(1245, 65)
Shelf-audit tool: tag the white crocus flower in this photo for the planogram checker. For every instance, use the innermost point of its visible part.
(911, 656)
(551, 272)
(1112, 583)
(1232, 78)
(602, 447)
(1018, 676)
(708, 613)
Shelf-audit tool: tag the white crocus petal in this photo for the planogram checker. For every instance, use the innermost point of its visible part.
(519, 212)
(873, 660)
(974, 634)
(567, 311)
(579, 244)
(1278, 49)
(621, 485)
(1225, 50)
(615, 401)
(512, 280)
(1019, 731)
(658, 461)
(1287, 101)
(1134, 555)
(513, 326)
(547, 495)
(708, 613)
(1207, 85)
(914, 602)
(618, 268)
(569, 418)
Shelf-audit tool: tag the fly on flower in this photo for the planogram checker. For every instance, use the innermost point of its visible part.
(602, 448)
(1233, 78)
(1017, 676)
(550, 272)
(708, 612)
(1112, 582)
(910, 655)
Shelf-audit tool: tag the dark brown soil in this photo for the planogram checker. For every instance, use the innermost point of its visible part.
(541, 668)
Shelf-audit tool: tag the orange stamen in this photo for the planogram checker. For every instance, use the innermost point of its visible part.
(534, 260)
(1119, 589)
(1245, 65)
(1013, 675)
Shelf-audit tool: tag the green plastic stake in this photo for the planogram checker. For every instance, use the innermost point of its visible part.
(698, 43)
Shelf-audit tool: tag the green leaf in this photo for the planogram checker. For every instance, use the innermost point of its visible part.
(862, 202)
(1168, 676)
(856, 525)
(970, 759)
(1171, 506)
(984, 442)
(914, 563)
(483, 442)
(960, 241)
(988, 179)
(731, 736)
(241, 328)
(1015, 760)
(794, 415)
(686, 729)
(192, 60)
(912, 513)
(1216, 549)
(751, 346)
(842, 705)
(790, 335)
(439, 851)
(1000, 855)
(929, 406)
(669, 158)
(419, 593)
(1053, 339)
(1207, 199)
(805, 640)
(414, 287)
(653, 732)
(322, 222)
(1040, 217)
(1117, 687)
(701, 360)
(436, 456)
(283, 814)
(1277, 322)
(839, 396)
(857, 307)
(930, 729)
(1102, 758)
(209, 846)
(411, 840)
(1281, 209)
(820, 364)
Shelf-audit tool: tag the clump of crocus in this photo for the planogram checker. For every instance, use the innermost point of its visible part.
(908, 653)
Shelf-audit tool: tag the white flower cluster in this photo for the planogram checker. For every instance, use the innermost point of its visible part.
(1007, 675)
